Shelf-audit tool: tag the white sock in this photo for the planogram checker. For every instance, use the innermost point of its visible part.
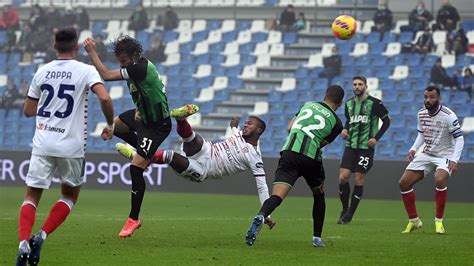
(190, 138)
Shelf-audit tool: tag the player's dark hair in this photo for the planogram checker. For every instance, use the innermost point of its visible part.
(433, 88)
(127, 45)
(262, 123)
(335, 94)
(361, 78)
(65, 40)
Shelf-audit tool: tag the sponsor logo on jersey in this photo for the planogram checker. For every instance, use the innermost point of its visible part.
(45, 127)
(359, 118)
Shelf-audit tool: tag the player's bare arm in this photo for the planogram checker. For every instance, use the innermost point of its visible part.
(107, 108)
(30, 107)
(104, 71)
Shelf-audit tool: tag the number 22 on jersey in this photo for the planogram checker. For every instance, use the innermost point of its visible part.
(304, 123)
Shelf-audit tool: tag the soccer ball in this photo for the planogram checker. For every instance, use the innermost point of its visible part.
(344, 27)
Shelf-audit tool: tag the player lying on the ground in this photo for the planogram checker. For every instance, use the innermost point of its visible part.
(201, 159)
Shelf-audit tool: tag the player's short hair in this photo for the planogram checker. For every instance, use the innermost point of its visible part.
(361, 78)
(127, 45)
(335, 94)
(261, 123)
(65, 40)
(433, 88)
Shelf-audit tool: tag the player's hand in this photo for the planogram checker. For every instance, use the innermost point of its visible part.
(138, 116)
(107, 132)
(89, 45)
(234, 122)
(453, 166)
(344, 133)
(372, 142)
(411, 155)
(269, 222)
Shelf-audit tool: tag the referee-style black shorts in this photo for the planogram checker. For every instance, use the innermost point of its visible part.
(358, 160)
(292, 165)
(150, 137)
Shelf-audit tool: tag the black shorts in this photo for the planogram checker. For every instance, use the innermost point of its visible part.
(292, 165)
(358, 160)
(150, 137)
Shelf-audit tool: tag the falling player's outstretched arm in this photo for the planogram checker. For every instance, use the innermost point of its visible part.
(234, 124)
(455, 129)
(104, 71)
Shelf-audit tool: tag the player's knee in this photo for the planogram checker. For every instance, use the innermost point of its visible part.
(318, 191)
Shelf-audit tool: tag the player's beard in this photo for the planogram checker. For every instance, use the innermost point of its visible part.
(432, 107)
(359, 93)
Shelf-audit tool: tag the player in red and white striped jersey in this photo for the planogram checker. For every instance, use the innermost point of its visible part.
(440, 132)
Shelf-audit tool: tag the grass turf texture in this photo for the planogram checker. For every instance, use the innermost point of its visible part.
(209, 229)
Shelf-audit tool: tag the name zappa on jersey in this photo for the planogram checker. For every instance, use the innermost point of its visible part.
(58, 75)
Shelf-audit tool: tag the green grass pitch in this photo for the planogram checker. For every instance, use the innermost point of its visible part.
(205, 229)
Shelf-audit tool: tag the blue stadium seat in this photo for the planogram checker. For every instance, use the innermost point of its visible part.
(373, 37)
(289, 38)
(389, 37)
(200, 36)
(405, 37)
(170, 36)
(243, 25)
(229, 36)
(301, 72)
(258, 37)
(213, 25)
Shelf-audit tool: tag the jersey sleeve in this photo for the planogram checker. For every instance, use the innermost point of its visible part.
(380, 110)
(93, 78)
(256, 164)
(34, 91)
(454, 127)
(336, 130)
(136, 71)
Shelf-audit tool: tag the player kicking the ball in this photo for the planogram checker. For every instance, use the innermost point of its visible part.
(202, 159)
(438, 128)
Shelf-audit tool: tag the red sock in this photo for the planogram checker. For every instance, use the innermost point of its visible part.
(440, 198)
(409, 202)
(184, 129)
(57, 215)
(158, 156)
(27, 219)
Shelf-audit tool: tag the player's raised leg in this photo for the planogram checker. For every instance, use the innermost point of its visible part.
(441, 180)
(408, 179)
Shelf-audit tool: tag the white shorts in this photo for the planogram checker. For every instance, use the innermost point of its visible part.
(199, 164)
(42, 168)
(428, 164)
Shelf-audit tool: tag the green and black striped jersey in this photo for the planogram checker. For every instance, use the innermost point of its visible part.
(147, 91)
(362, 121)
(314, 126)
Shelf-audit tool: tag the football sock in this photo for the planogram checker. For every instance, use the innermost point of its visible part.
(270, 205)
(344, 192)
(26, 220)
(57, 215)
(319, 211)
(440, 197)
(163, 156)
(356, 197)
(185, 131)
(129, 137)
(138, 191)
(408, 198)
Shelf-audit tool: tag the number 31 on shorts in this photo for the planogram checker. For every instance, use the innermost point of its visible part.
(146, 144)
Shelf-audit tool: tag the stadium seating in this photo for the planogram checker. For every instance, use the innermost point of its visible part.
(237, 67)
